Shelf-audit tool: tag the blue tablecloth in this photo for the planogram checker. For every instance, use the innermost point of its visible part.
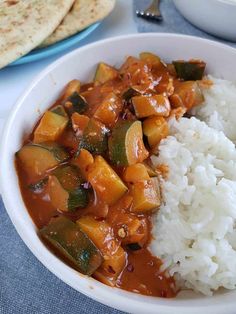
(25, 285)
(173, 22)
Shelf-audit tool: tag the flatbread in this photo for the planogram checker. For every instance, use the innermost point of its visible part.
(82, 14)
(24, 24)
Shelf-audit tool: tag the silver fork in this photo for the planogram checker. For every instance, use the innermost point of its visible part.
(152, 12)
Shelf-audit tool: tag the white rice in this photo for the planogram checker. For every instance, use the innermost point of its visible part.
(195, 229)
(219, 107)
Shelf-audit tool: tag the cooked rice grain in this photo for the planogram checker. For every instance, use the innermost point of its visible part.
(195, 229)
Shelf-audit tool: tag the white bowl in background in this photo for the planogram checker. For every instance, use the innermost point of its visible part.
(217, 17)
(81, 64)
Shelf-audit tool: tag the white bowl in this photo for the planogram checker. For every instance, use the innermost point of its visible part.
(40, 94)
(217, 17)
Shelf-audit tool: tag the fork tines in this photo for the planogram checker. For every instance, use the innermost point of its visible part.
(149, 16)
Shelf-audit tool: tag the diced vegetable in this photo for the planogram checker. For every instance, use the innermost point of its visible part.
(131, 92)
(150, 170)
(69, 176)
(126, 144)
(150, 58)
(190, 70)
(112, 267)
(187, 94)
(155, 128)
(145, 196)
(114, 256)
(134, 246)
(105, 73)
(76, 103)
(135, 72)
(128, 227)
(72, 87)
(84, 160)
(136, 173)
(107, 184)
(38, 186)
(100, 232)
(36, 159)
(79, 122)
(94, 137)
(156, 105)
(109, 110)
(65, 191)
(60, 110)
(70, 242)
(50, 127)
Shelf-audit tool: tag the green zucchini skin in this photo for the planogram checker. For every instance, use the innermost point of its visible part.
(189, 71)
(38, 186)
(104, 73)
(117, 147)
(60, 110)
(71, 180)
(78, 198)
(37, 159)
(58, 151)
(72, 243)
(126, 145)
(78, 103)
(94, 138)
(129, 93)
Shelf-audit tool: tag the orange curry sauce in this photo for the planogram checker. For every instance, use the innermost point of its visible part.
(141, 271)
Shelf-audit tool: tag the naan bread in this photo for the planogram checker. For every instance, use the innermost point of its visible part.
(24, 24)
(82, 14)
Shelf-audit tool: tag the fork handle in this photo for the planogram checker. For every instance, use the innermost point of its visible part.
(155, 6)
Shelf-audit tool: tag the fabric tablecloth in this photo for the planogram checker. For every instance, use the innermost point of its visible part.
(26, 286)
(173, 22)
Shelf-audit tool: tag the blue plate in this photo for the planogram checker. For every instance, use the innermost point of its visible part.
(42, 53)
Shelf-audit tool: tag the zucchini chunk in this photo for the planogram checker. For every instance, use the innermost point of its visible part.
(106, 183)
(65, 191)
(130, 92)
(94, 138)
(126, 144)
(72, 243)
(79, 122)
(76, 103)
(150, 58)
(192, 70)
(38, 186)
(109, 110)
(101, 234)
(72, 87)
(135, 173)
(146, 196)
(150, 169)
(156, 105)
(60, 110)
(50, 127)
(105, 73)
(84, 160)
(187, 94)
(155, 128)
(36, 159)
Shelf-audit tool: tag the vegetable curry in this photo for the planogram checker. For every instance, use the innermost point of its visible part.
(86, 175)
